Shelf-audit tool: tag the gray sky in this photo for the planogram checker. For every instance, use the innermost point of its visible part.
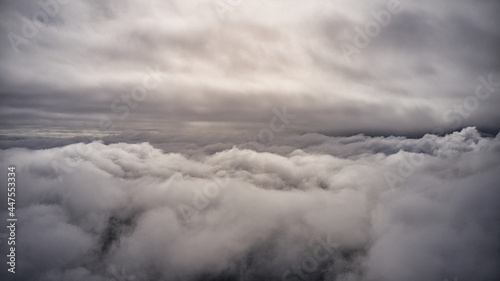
(215, 68)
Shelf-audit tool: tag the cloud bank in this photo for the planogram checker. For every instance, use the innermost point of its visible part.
(381, 67)
(309, 208)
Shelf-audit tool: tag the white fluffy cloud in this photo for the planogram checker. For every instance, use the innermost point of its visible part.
(237, 214)
(226, 73)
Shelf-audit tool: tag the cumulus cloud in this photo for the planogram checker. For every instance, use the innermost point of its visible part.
(133, 210)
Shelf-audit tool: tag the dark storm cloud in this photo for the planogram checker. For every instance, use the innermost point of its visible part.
(231, 71)
(128, 210)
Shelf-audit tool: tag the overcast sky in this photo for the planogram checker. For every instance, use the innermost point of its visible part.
(340, 67)
(236, 139)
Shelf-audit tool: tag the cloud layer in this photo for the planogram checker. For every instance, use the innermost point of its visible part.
(372, 208)
(223, 66)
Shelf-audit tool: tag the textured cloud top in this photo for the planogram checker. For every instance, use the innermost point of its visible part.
(357, 208)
